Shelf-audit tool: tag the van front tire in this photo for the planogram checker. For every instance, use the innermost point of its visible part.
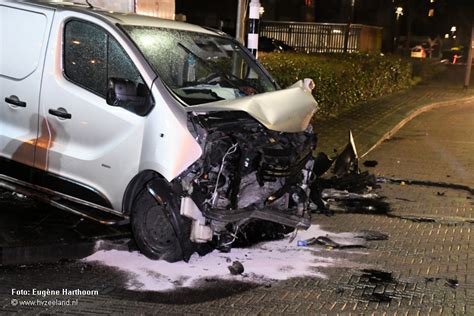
(153, 232)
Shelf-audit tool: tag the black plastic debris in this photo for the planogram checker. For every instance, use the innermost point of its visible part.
(258, 231)
(377, 276)
(322, 163)
(236, 268)
(355, 182)
(423, 220)
(347, 161)
(371, 235)
(327, 242)
(371, 163)
(452, 283)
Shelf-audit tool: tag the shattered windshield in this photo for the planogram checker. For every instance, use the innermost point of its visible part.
(200, 68)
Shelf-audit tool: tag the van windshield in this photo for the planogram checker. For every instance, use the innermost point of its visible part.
(200, 68)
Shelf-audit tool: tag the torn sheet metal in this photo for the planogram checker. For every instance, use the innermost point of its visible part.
(289, 110)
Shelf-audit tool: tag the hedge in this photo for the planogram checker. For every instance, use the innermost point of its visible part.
(342, 80)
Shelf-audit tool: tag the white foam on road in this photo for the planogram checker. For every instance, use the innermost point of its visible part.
(274, 260)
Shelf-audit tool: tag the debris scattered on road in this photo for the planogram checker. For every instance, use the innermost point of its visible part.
(371, 235)
(427, 183)
(371, 163)
(364, 203)
(328, 242)
(453, 283)
(431, 279)
(307, 242)
(236, 268)
(440, 193)
(345, 195)
(377, 276)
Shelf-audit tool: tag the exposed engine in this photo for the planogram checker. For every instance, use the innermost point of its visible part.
(246, 172)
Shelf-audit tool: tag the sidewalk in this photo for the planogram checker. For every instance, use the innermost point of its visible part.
(370, 121)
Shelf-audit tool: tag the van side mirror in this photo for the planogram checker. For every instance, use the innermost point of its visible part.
(125, 93)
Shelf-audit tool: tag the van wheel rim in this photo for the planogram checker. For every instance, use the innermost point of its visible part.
(159, 232)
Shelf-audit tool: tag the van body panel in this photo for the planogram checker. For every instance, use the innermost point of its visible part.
(168, 146)
(21, 66)
(100, 145)
(289, 110)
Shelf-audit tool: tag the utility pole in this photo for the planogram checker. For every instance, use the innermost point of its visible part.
(254, 26)
(467, 79)
(348, 27)
(239, 28)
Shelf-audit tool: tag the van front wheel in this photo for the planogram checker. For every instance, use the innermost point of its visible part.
(154, 234)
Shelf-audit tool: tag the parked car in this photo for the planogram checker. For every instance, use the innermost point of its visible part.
(266, 44)
(418, 52)
(169, 126)
(455, 55)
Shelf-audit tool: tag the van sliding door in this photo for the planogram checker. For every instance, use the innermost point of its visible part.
(23, 41)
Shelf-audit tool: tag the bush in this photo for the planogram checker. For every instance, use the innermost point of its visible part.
(424, 69)
(342, 80)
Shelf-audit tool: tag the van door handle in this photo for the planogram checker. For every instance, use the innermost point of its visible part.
(13, 99)
(61, 113)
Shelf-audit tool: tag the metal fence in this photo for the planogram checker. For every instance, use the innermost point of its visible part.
(324, 37)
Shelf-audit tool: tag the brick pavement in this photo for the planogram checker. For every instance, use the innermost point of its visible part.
(423, 268)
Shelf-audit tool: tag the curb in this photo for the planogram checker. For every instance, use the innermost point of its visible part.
(414, 114)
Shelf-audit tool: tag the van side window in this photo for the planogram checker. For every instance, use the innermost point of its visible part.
(85, 56)
(92, 56)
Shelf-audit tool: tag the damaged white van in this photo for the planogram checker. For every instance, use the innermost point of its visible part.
(174, 128)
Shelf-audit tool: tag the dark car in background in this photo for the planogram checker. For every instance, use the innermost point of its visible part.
(267, 44)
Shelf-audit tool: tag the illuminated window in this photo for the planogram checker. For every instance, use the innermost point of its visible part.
(431, 12)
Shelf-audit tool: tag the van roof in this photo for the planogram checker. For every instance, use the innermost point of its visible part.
(118, 17)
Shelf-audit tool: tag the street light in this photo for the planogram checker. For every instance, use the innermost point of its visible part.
(399, 12)
(453, 30)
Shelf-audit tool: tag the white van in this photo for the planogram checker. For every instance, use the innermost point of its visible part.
(170, 126)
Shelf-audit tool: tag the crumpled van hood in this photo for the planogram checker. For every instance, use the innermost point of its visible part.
(288, 110)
